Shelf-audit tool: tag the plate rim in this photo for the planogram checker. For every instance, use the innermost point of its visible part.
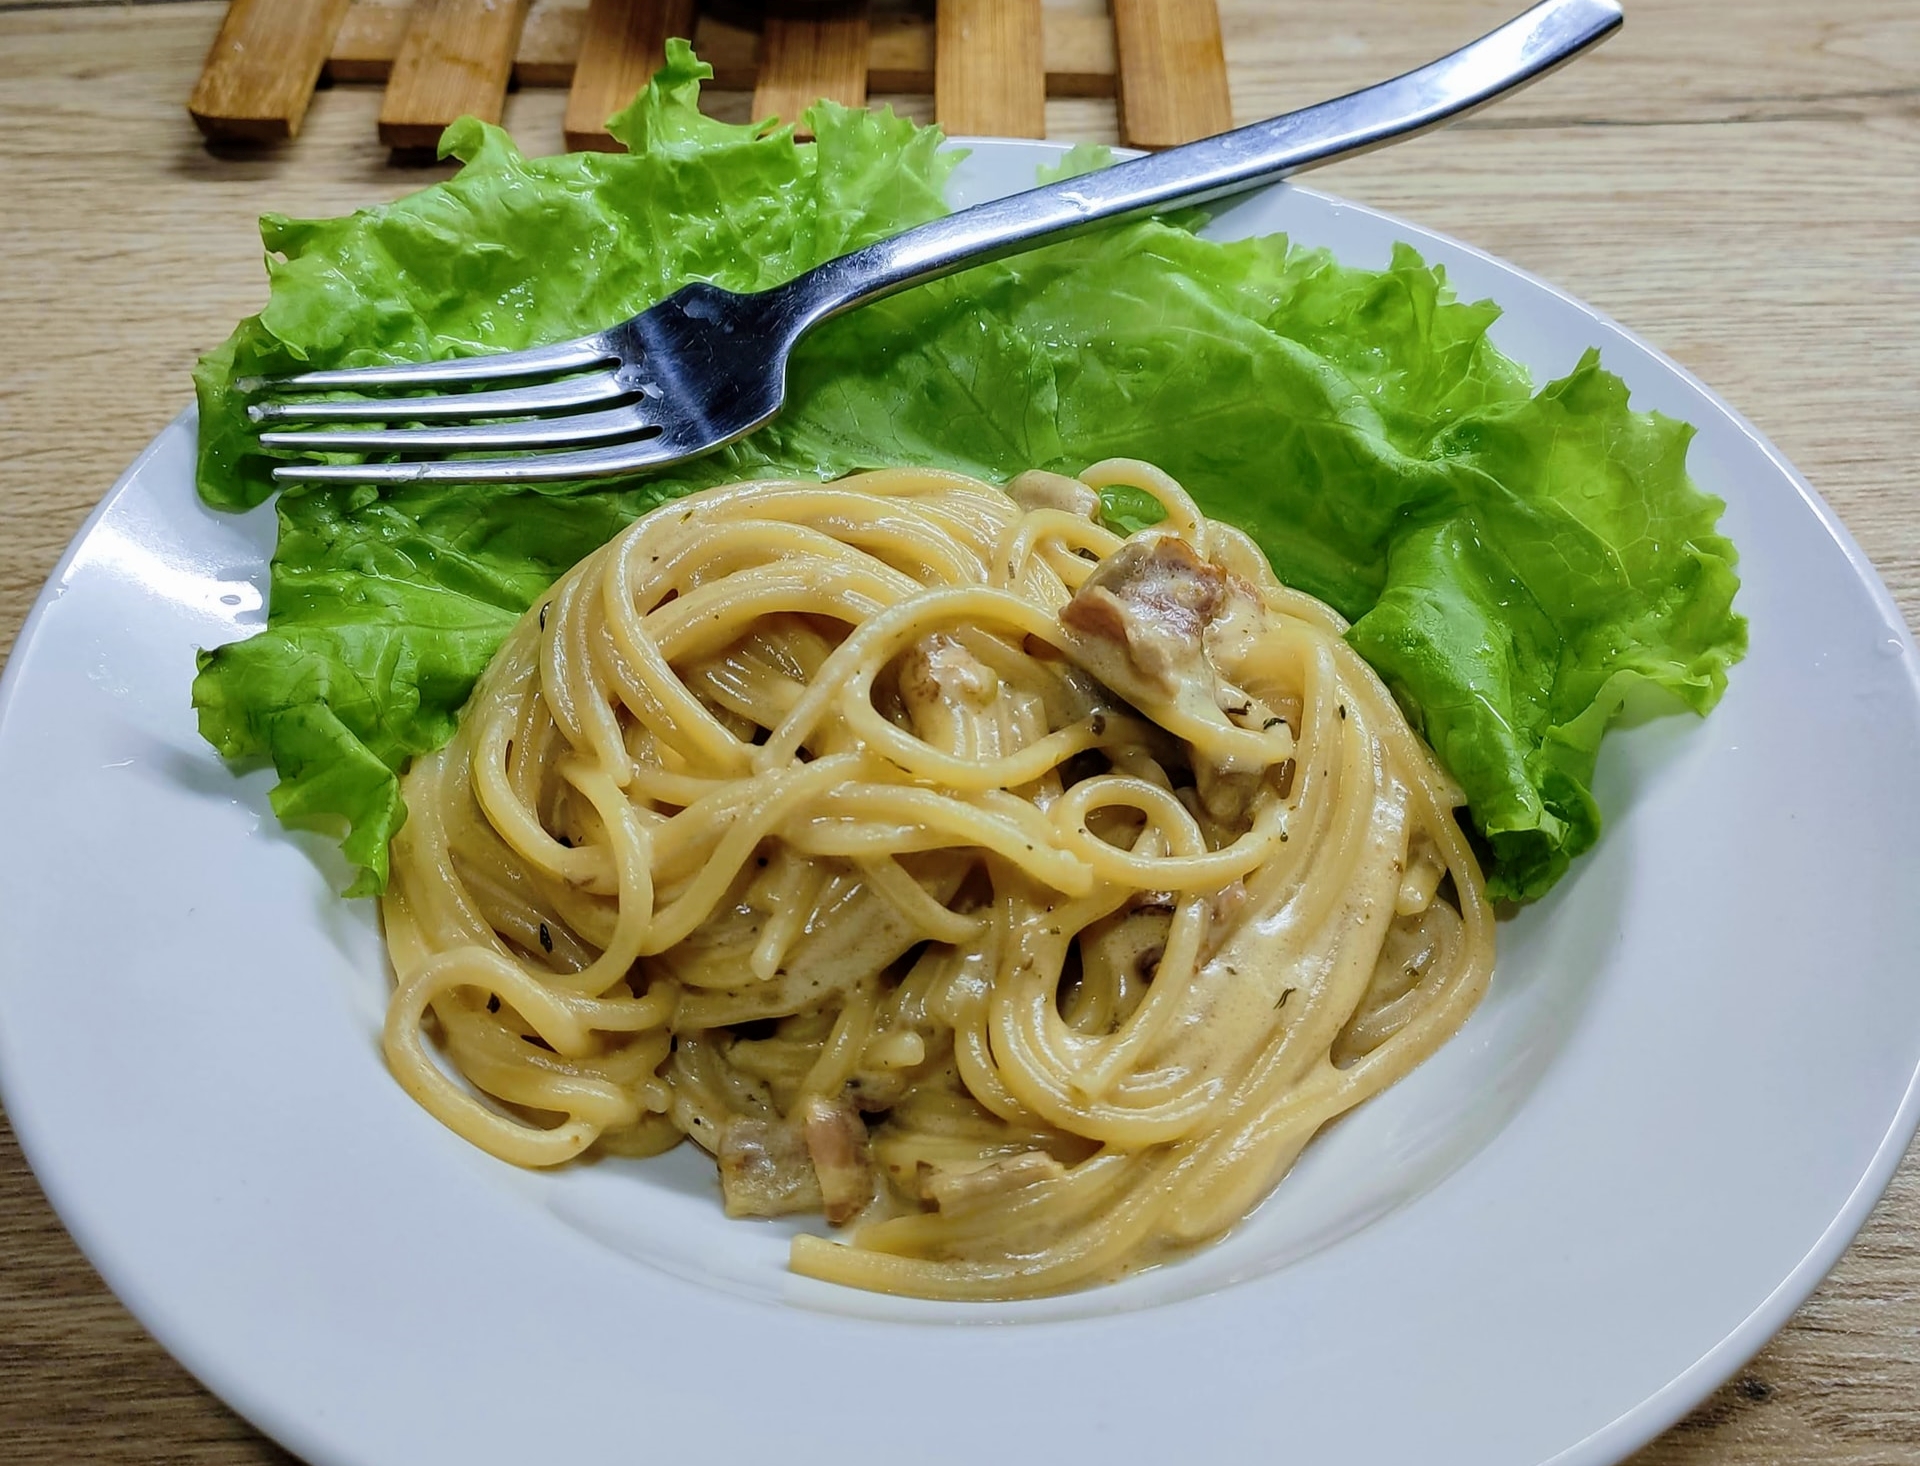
(1628, 1431)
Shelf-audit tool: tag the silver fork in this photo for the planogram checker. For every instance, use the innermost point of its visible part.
(706, 366)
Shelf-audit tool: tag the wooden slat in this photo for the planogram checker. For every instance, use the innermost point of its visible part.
(455, 59)
(550, 42)
(1173, 71)
(1078, 51)
(809, 51)
(624, 44)
(1078, 48)
(989, 69)
(263, 67)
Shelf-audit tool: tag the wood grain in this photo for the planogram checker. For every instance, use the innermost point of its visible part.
(990, 73)
(624, 44)
(1173, 71)
(809, 51)
(1745, 195)
(262, 68)
(454, 60)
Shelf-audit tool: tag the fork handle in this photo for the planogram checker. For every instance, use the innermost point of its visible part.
(1520, 51)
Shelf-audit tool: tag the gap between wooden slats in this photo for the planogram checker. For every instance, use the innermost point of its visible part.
(989, 68)
(809, 51)
(455, 59)
(624, 43)
(1173, 71)
(261, 71)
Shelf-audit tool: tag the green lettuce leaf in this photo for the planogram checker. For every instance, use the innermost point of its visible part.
(1514, 562)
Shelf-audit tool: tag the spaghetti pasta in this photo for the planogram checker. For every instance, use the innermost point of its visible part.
(936, 859)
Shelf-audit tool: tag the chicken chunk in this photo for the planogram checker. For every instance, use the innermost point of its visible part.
(837, 1144)
(1154, 623)
(938, 669)
(766, 1170)
(1151, 601)
(1039, 489)
(948, 694)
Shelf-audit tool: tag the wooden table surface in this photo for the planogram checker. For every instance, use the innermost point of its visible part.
(1740, 183)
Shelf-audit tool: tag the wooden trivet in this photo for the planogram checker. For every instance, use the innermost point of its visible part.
(990, 65)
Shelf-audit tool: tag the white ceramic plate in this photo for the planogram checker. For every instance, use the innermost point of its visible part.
(1693, 1075)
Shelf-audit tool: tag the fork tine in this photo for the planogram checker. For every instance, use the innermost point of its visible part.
(590, 463)
(537, 432)
(512, 402)
(563, 356)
